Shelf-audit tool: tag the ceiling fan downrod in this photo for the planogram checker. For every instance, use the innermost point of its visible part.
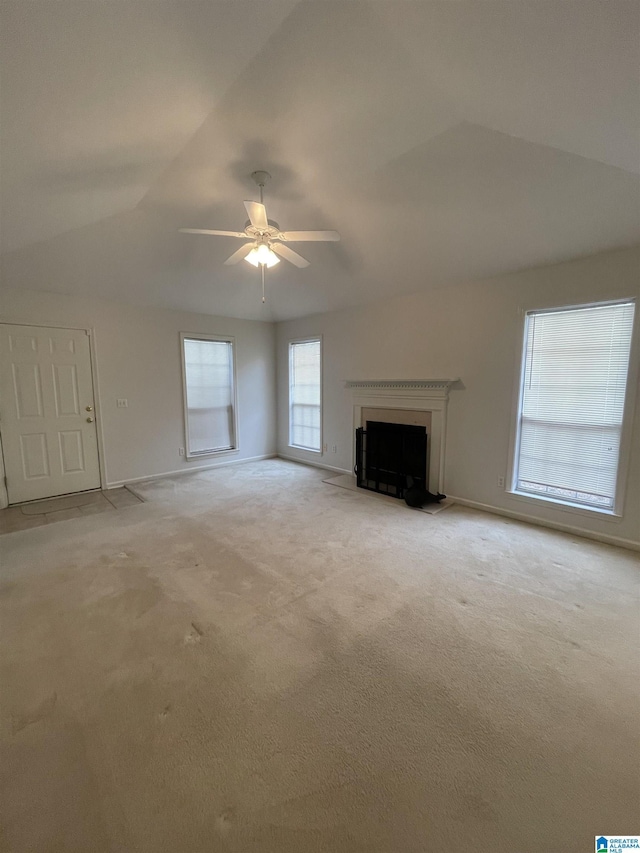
(261, 178)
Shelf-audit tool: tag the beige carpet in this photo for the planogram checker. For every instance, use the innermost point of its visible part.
(255, 662)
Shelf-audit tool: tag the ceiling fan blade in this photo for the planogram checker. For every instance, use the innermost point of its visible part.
(257, 214)
(237, 256)
(209, 231)
(289, 255)
(309, 236)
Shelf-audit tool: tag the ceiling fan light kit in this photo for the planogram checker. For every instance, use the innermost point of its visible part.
(266, 238)
(262, 254)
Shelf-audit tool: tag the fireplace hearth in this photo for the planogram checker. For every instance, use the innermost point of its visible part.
(387, 454)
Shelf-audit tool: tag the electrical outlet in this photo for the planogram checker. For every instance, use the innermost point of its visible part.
(122, 403)
(334, 448)
(181, 451)
(500, 482)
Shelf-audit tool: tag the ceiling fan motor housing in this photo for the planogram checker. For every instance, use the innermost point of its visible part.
(271, 232)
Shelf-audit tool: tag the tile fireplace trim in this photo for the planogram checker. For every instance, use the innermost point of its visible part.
(425, 395)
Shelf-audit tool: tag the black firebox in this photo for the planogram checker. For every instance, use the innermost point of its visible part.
(386, 454)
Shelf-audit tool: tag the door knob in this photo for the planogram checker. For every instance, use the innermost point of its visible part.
(89, 420)
(89, 408)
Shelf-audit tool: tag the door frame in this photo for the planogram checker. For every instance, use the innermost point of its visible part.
(4, 494)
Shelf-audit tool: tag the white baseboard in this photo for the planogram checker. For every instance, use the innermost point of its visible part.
(116, 484)
(554, 525)
(313, 464)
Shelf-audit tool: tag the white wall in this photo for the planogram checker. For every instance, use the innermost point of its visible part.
(472, 331)
(138, 357)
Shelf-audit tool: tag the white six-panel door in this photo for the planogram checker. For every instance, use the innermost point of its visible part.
(47, 412)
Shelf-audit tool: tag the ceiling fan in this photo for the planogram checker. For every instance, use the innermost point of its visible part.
(266, 240)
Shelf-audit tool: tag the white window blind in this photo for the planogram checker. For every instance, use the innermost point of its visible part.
(305, 394)
(209, 395)
(572, 403)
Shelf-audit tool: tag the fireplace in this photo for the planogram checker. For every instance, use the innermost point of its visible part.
(387, 454)
(419, 401)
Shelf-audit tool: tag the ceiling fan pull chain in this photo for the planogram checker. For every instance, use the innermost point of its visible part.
(262, 271)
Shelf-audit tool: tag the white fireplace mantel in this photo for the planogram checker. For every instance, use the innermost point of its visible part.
(437, 387)
(425, 395)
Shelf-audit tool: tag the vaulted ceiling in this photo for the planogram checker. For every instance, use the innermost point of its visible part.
(443, 140)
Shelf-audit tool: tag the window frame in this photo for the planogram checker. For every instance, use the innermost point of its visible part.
(617, 512)
(290, 344)
(226, 451)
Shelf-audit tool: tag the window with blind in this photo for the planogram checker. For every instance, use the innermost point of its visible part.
(209, 394)
(305, 384)
(574, 379)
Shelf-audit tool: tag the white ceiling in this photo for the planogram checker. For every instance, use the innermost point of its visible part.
(443, 140)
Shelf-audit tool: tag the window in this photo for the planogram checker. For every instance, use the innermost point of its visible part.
(305, 394)
(572, 397)
(209, 394)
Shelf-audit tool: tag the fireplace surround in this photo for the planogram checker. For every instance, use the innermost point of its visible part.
(419, 395)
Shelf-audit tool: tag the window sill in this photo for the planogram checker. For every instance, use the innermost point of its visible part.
(565, 506)
(306, 449)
